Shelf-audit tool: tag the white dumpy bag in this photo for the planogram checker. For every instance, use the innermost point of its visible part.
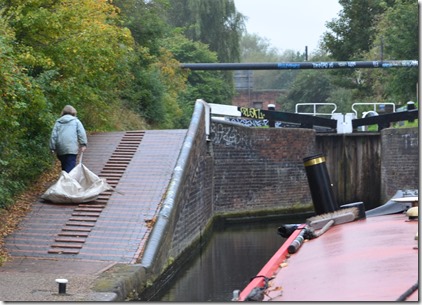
(78, 186)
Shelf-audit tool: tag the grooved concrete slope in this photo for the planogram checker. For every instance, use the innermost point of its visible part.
(115, 227)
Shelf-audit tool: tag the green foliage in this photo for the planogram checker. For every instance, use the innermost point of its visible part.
(352, 33)
(215, 23)
(309, 87)
(75, 51)
(107, 59)
(343, 98)
(24, 122)
(375, 30)
(257, 49)
(145, 22)
(397, 30)
(52, 54)
(210, 86)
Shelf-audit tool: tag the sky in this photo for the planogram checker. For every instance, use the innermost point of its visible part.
(289, 24)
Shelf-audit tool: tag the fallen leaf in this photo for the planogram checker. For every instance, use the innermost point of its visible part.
(11, 216)
(150, 222)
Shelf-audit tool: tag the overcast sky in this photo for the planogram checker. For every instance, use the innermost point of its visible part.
(289, 24)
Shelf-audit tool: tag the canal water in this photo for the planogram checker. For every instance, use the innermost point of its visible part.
(234, 254)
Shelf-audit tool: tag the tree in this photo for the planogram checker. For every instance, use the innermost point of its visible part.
(156, 81)
(24, 122)
(375, 30)
(146, 21)
(257, 49)
(76, 52)
(309, 87)
(397, 31)
(216, 23)
(352, 33)
(207, 85)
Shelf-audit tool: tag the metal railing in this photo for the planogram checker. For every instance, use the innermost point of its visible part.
(315, 105)
(374, 106)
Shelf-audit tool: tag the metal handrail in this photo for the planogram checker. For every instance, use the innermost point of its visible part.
(315, 106)
(373, 104)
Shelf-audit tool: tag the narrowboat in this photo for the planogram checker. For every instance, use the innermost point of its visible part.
(366, 256)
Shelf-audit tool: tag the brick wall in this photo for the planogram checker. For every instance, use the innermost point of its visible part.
(250, 99)
(399, 160)
(241, 170)
(246, 170)
(186, 210)
(194, 200)
(260, 168)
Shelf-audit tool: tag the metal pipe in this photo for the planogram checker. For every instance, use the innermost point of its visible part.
(302, 65)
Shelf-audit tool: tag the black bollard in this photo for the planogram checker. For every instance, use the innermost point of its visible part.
(271, 123)
(62, 285)
(319, 184)
(411, 106)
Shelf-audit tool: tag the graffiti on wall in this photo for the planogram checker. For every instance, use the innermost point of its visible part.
(252, 113)
(229, 136)
(410, 141)
(248, 123)
(258, 123)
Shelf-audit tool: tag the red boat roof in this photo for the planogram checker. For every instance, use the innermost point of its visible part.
(373, 259)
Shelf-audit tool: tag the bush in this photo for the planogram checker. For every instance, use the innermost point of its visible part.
(25, 124)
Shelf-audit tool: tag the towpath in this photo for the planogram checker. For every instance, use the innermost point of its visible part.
(78, 242)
